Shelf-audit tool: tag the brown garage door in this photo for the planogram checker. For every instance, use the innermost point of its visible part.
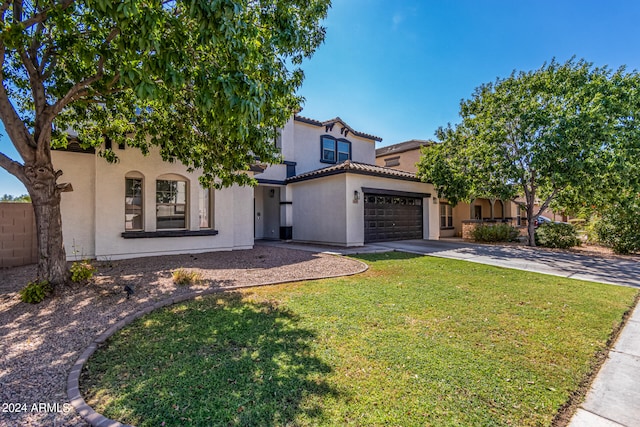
(389, 217)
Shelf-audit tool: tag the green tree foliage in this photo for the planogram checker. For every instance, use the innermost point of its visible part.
(619, 225)
(9, 198)
(206, 82)
(562, 131)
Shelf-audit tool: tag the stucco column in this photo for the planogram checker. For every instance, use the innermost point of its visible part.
(492, 203)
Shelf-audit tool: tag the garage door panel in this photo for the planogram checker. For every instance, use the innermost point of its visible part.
(392, 218)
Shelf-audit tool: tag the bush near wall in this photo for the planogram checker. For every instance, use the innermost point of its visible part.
(557, 235)
(495, 233)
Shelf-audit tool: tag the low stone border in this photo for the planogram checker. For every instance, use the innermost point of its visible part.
(73, 381)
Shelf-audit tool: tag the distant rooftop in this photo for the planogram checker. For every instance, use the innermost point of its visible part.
(402, 147)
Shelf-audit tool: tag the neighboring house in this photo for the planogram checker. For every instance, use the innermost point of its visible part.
(405, 155)
(402, 156)
(326, 190)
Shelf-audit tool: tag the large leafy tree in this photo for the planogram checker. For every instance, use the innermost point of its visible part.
(562, 131)
(207, 82)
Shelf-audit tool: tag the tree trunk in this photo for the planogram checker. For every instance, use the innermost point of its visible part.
(45, 196)
(531, 226)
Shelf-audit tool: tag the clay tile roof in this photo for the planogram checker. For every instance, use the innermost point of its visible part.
(349, 166)
(402, 147)
(333, 121)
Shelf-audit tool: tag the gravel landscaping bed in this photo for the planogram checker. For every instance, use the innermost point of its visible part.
(40, 343)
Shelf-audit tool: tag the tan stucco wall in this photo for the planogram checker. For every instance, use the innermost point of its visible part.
(93, 214)
(408, 160)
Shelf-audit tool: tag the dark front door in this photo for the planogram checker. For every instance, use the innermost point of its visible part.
(388, 217)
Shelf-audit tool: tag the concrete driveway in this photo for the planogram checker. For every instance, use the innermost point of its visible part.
(616, 271)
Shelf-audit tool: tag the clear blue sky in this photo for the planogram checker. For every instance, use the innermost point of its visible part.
(398, 69)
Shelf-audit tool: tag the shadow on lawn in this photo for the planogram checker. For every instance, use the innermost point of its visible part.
(217, 361)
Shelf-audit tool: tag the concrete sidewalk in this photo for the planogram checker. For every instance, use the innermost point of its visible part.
(614, 397)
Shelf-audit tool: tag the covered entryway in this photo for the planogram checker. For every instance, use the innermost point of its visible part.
(266, 212)
(392, 217)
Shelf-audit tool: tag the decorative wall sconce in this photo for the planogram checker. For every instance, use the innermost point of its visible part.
(272, 193)
(435, 200)
(356, 196)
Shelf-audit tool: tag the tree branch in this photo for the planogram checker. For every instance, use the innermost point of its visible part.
(40, 17)
(33, 48)
(5, 6)
(545, 205)
(80, 89)
(37, 86)
(13, 124)
(13, 167)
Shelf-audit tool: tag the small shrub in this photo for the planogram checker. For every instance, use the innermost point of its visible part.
(81, 271)
(557, 235)
(578, 222)
(495, 233)
(35, 291)
(185, 277)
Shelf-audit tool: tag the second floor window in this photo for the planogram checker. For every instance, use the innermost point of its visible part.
(334, 150)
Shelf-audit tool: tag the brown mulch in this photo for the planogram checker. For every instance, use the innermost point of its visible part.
(41, 342)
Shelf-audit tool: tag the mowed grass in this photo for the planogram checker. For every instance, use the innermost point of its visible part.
(413, 341)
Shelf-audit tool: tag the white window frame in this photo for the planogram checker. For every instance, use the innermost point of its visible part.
(208, 203)
(446, 215)
(177, 206)
(129, 213)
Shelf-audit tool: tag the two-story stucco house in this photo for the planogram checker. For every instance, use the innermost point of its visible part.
(327, 190)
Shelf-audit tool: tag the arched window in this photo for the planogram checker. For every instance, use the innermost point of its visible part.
(171, 202)
(133, 202)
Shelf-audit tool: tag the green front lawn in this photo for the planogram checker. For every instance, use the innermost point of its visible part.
(413, 341)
